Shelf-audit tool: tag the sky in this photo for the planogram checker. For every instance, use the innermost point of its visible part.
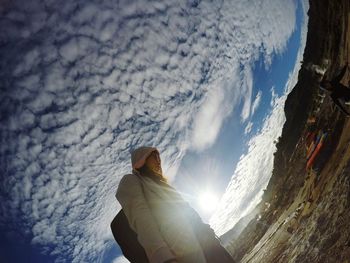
(85, 82)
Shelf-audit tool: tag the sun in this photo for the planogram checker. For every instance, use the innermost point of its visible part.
(208, 201)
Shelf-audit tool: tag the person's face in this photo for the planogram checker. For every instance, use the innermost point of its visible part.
(153, 162)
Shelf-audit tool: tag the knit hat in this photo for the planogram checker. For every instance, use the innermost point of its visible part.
(139, 156)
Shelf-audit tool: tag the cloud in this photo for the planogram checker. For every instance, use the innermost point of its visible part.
(120, 259)
(256, 102)
(254, 168)
(254, 107)
(248, 128)
(84, 82)
(209, 118)
(245, 38)
(252, 172)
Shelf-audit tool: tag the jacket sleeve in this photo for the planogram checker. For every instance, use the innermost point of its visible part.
(131, 197)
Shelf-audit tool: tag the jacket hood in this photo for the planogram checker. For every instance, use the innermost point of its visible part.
(139, 156)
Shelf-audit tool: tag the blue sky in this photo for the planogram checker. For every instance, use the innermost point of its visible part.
(85, 82)
(274, 84)
(232, 139)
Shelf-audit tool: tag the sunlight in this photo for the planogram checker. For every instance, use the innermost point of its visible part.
(208, 201)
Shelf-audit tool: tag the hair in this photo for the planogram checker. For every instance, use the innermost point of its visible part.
(145, 171)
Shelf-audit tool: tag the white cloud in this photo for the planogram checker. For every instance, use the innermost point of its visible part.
(246, 39)
(247, 87)
(87, 81)
(248, 128)
(254, 169)
(216, 107)
(256, 102)
(252, 172)
(120, 260)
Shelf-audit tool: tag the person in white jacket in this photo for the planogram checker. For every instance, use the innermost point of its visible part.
(166, 226)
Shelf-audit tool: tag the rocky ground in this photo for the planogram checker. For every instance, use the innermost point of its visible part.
(305, 214)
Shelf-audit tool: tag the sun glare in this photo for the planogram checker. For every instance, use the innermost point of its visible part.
(208, 201)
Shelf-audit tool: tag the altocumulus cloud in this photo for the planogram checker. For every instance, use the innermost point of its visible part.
(83, 82)
(254, 168)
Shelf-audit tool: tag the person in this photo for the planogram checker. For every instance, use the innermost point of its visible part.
(166, 226)
(339, 93)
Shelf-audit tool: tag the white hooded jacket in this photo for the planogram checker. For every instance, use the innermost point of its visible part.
(157, 213)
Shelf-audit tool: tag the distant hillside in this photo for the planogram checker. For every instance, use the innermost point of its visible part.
(239, 227)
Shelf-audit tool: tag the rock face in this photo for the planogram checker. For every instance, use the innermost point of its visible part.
(308, 215)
